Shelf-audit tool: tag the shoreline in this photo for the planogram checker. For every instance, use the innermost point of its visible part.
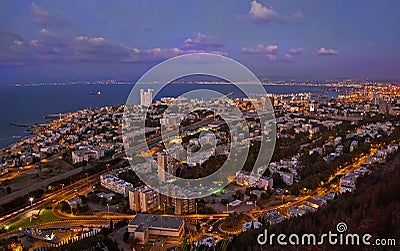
(20, 136)
(28, 132)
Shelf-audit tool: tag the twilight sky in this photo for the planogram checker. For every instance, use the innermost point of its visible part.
(93, 40)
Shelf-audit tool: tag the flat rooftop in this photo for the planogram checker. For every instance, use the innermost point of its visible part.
(156, 221)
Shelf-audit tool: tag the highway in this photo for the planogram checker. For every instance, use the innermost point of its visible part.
(48, 200)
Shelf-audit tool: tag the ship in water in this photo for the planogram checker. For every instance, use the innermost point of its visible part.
(95, 93)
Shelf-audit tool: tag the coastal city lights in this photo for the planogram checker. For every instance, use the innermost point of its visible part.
(199, 125)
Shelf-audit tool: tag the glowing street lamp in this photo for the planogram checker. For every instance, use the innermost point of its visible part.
(31, 200)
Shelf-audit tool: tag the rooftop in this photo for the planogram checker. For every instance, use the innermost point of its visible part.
(156, 221)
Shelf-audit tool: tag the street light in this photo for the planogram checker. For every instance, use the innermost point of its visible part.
(62, 188)
(108, 209)
(31, 200)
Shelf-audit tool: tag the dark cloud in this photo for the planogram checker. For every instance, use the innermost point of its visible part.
(48, 47)
(51, 45)
(96, 49)
(14, 50)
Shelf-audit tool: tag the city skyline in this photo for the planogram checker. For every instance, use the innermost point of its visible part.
(55, 41)
(199, 125)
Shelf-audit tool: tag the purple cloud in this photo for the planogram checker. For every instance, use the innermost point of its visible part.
(296, 51)
(43, 18)
(260, 49)
(202, 41)
(262, 13)
(48, 46)
(298, 15)
(269, 51)
(327, 52)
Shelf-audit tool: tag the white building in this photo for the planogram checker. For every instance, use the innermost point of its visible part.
(115, 184)
(348, 182)
(338, 140)
(296, 211)
(287, 178)
(3, 169)
(353, 145)
(143, 199)
(313, 204)
(274, 217)
(146, 97)
(208, 242)
(253, 180)
(251, 225)
(74, 202)
(87, 154)
(265, 183)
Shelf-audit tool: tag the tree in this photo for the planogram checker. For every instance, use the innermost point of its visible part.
(123, 206)
(111, 225)
(278, 182)
(84, 199)
(64, 207)
(233, 219)
(253, 197)
(373, 208)
(198, 227)
(264, 196)
(239, 195)
(125, 237)
(267, 172)
(187, 243)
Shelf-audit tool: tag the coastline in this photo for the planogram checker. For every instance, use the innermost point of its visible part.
(114, 94)
(29, 132)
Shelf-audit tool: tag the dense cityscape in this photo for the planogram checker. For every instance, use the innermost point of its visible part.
(199, 125)
(81, 181)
